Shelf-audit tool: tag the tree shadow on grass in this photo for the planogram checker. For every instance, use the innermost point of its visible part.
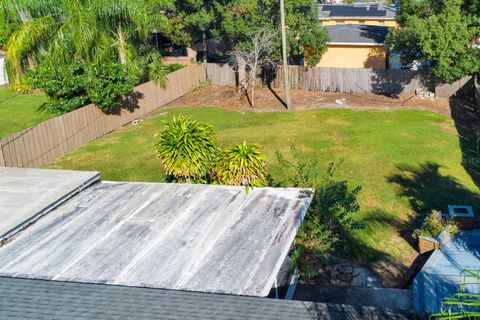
(467, 122)
(395, 270)
(390, 269)
(427, 189)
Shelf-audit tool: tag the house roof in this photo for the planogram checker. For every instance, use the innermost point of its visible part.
(44, 299)
(440, 277)
(367, 11)
(26, 194)
(357, 34)
(178, 236)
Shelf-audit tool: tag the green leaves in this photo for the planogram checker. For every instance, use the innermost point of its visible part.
(188, 154)
(71, 87)
(187, 149)
(242, 165)
(440, 32)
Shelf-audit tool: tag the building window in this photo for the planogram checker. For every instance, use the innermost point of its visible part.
(340, 23)
(381, 23)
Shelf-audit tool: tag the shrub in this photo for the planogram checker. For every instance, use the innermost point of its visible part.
(433, 225)
(242, 165)
(299, 172)
(71, 87)
(187, 149)
(329, 220)
(107, 82)
(65, 86)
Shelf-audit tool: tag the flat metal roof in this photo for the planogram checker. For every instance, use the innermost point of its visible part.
(440, 277)
(189, 237)
(27, 194)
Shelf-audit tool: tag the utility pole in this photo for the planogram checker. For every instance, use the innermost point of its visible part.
(284, 53)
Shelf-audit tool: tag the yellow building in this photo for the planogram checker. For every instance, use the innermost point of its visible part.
(360, 14)
(356, 46)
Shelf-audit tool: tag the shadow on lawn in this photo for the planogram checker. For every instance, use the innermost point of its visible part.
(467, 122)
(427, 189)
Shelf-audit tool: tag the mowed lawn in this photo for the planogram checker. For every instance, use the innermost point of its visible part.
(406, 162)
(20, 111)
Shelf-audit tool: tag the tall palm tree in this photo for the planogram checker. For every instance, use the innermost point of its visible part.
(55, 31)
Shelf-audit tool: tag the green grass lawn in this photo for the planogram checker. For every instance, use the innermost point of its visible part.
(407, 162)
(20, 111)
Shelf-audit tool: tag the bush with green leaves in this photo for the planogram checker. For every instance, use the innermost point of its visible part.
(107, 83)
(69, 88)
(241, 165)
(330, 218)
(187, 149)
(188, 153)
(434, 224)
(65, 87)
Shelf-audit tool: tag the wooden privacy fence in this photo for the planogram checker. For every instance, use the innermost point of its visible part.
(53, 138)
(334, 79)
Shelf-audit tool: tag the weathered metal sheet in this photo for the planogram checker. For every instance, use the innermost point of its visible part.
(27, 194)
(440, 277)
(187, 237)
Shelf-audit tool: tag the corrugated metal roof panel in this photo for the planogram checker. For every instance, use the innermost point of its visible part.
(177, 236)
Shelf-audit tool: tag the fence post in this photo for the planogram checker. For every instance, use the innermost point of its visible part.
(2, 159)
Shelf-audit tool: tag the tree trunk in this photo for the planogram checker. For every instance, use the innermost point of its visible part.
(253, 95)
(204, 44)
(242, 73)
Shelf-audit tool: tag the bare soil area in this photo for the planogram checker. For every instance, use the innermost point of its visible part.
(267, 99)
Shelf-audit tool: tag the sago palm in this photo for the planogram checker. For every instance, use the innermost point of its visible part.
(242, 165)
(186, 148)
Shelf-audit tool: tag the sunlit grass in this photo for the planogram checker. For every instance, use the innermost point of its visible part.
(371, 143)
(20, 111)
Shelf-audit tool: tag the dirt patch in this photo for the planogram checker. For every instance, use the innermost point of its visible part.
(273, 100)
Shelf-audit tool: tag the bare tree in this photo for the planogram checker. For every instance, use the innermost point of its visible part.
(249, 59)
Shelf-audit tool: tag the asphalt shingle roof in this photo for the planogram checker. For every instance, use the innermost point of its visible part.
(326, 11)
(45, 299)
(351, 33)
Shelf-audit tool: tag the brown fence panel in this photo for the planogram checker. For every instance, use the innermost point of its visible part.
(459, 88)
(220, 74)
(334, 79)
(53, 138)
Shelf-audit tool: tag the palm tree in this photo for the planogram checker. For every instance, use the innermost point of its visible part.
(57, 31)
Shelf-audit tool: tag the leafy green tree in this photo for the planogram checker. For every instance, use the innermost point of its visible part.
(441, 32)
(198, 19)
(239, 20)
(242, 165)
(187, 149)
(55, 32)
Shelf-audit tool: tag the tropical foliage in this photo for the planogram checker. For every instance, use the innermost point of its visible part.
(188, 153)
(242, 165)
(51, 35)
(330, 217)
(464, 304)
(187, 149)
(443, 33)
